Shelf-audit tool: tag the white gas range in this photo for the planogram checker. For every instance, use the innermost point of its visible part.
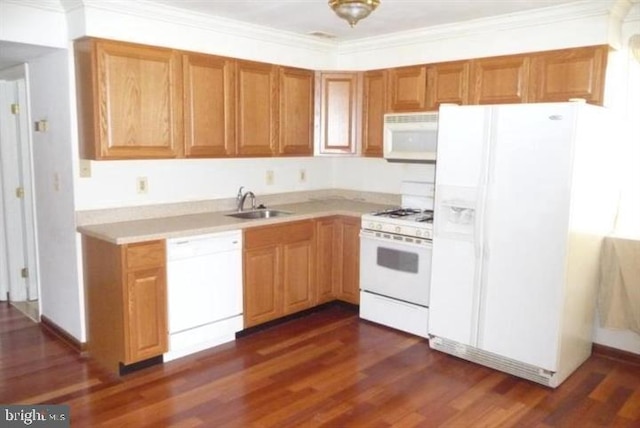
(395, 261)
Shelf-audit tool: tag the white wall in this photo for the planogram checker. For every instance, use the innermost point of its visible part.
(113, 183)
(61, 291)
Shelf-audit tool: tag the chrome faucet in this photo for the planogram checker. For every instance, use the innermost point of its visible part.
(240, 198)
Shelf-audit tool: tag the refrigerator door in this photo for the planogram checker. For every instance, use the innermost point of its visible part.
(455, 273)
(525, 232)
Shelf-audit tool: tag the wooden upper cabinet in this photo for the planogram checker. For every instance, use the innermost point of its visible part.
(448, 82)
(408, 88)
(374, 102)
(500, 80)
(129, 100)
(296, 89)
(209, 101)
(338, 107)
(569, 73)
(256, 108)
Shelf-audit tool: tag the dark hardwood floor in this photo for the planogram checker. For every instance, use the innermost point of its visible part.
(326, 369)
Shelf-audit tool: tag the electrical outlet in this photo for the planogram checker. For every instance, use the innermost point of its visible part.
(85, 168)
(302, 177)
(142, 185)
(269, 178)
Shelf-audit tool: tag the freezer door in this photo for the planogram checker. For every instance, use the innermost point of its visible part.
(525, 232)
(460, 175)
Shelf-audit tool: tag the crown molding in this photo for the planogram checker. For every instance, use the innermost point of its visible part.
(48, 5)
(512, 21)
(169, 14)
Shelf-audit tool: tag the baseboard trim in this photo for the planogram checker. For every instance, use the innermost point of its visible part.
(54, 329)
(616, 354)
(260, 327)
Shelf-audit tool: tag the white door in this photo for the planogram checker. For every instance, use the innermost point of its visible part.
(18, 267)
(460, 172)
(525, 226)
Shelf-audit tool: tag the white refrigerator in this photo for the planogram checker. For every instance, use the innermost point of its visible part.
(524, 195)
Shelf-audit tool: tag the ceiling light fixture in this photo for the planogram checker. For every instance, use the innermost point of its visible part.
(353, 10)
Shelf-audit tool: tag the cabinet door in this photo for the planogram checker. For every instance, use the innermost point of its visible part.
(448, 83)
(374, 101)
(256, 111)
(298, 276)
(569, 73)
(146, 314)
(208, 106)
(349, 263)
(325, 254)
(338, 116)
(296, 112)
(262, 285)
(500, 80)
(408, 88)
(137, 101)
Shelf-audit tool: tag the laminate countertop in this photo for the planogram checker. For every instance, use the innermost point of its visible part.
(127, 232)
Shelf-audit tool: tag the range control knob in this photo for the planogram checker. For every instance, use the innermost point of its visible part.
(418, 232)
(378, 226)
(370, 225)
(398, 229)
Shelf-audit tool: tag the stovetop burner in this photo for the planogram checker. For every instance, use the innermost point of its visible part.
(397, 212)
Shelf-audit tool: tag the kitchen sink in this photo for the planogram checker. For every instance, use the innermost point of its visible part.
(258, 214)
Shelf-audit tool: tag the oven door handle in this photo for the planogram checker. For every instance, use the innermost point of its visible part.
(371, 236)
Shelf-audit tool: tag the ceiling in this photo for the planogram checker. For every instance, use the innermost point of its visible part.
(304, 17)
(308, 17)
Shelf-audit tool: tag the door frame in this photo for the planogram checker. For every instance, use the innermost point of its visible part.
(18, 165)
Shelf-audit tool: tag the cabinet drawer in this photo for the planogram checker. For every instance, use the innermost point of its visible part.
(145, 254)
(278, 234)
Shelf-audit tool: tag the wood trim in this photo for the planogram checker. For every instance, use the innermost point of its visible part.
(50, 327)
(616, 354)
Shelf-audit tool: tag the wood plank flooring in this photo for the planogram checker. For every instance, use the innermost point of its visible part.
(327, 369)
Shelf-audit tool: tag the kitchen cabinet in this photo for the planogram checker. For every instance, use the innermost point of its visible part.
(500, 80)
(570, 73)
(129, 100)
(296, 91)
(338, 260)
(338, 106)
(408, 88)
(348, 259)
(448, 82)
(209, 102)
(256, 108)
(279, 276)
(126, 301)
(374, 102)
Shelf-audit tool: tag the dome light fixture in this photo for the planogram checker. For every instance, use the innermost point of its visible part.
(353, 10)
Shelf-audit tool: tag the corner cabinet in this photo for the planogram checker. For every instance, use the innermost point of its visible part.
(279, 276)
(337, 112)
(126, 295)
(129, 100)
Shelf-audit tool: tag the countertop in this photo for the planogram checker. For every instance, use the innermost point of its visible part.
(128, 232)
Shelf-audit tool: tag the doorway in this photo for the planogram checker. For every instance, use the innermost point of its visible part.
(18, 249)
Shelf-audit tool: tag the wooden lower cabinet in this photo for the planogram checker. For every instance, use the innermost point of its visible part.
(126, 292)
(279, 277)
(338, 259)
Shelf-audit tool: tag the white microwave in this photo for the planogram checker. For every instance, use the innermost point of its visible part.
(410, 137)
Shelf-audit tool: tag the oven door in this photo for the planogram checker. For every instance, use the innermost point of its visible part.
(393, 267)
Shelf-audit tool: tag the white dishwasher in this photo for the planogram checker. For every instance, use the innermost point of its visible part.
(204, 287)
